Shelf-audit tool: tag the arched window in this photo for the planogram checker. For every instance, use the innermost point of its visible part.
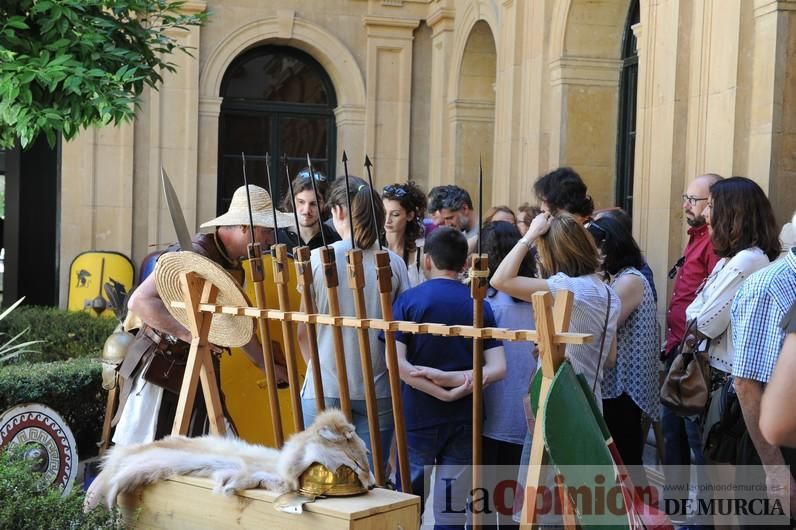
(276, 100)
(626, 130)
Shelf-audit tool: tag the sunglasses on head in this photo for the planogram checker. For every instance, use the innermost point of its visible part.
(305, 174)
(394, 191)
(593, 224)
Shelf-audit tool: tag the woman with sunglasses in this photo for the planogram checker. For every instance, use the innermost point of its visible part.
(405, 208)
(630, 388)
(744, 235)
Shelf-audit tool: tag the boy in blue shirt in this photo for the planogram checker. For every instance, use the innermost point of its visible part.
(437, 374)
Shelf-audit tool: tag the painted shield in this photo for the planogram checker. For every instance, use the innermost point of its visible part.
(90, 272)
(44, 436)
(243, 384)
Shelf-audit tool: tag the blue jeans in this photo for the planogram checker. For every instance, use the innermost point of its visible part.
(359, 416)
(449, 445)
(682, 446)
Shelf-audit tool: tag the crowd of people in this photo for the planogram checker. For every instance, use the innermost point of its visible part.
(732, 297)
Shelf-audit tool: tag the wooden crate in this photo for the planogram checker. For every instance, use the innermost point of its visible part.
(189, 502)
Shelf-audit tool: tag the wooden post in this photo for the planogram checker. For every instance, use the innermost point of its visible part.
(258, 275)
(549, 321)
(478, 283)
(304, 279)
(384, 275)
(110, 407)
(356, 281)
(329, 262)
(197, 291)
(282, 276)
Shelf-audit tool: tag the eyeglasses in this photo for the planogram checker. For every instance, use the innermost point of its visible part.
(693, 200)
(394, 191)
(599, 228)
(676, 267)
(305, 174)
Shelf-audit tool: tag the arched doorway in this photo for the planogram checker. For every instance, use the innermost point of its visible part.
(276, 100)
(473, 112)
(626, 129)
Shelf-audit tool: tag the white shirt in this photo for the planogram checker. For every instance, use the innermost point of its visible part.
(713, 301)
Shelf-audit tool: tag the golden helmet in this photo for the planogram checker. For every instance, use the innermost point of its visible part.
(319, 480)
(116, 346)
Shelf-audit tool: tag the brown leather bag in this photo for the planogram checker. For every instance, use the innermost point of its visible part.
(166, 366)
(686, 387)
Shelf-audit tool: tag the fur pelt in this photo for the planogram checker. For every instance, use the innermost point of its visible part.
(233, 464)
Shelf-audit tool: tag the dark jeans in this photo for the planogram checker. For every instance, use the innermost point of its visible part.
(623, 418)
(449, 445)
(506, 455)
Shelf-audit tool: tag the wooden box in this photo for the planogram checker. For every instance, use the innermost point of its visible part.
(189, 502)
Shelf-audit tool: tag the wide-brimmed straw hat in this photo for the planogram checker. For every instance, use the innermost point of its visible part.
(225, 330)
(262, 210)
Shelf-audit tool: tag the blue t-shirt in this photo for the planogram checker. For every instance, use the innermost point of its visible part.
(438, 301)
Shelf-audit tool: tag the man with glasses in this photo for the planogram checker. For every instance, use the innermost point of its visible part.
(682, 443)
(310, 213)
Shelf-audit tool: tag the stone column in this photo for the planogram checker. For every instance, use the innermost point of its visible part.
(660, 142)
(388, 99)
(587, 88)
(97, 205)
(509, 101)
(441, 24)
(167, 130)
(772, 127)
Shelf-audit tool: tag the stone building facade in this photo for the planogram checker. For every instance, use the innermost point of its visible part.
(638, 96)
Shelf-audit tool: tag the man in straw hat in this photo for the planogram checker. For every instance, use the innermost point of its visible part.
(151, 380)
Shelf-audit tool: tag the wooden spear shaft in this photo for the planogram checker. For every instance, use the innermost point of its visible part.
(356, 281)
(304, 279)
(384, 275)
(282, 276)
(256, 266)
(478, 281)
(329, 262)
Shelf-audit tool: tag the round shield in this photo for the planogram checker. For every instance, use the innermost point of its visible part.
(45, 438)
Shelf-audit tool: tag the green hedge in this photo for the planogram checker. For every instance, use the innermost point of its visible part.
(72, 388)
(27, 504)
(66, 334)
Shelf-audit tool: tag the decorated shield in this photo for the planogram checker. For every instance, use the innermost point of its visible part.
(44, 437)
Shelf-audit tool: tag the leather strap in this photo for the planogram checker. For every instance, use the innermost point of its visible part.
(602, 339)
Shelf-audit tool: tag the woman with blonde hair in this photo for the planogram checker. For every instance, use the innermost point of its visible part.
(568, 259)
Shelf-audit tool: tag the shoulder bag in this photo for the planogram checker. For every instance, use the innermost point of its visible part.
(686, 387)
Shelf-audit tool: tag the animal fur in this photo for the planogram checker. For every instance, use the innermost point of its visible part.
(233, 464)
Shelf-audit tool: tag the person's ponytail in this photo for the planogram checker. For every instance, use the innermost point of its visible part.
(365, 229)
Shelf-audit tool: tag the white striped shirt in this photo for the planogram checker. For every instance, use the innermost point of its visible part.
(588, 316)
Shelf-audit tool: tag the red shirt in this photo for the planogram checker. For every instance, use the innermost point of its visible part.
(699, 262)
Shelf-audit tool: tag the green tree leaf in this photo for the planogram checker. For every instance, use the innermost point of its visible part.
(82, 62)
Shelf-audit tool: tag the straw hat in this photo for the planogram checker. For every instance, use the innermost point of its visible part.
(225, 330)
(262, 210)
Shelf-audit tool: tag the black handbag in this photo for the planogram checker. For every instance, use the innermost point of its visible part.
(724, 427)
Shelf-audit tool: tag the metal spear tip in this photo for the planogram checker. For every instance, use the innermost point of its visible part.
(268, 159)
(345, 157)
(368, 162)
(309, 162)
